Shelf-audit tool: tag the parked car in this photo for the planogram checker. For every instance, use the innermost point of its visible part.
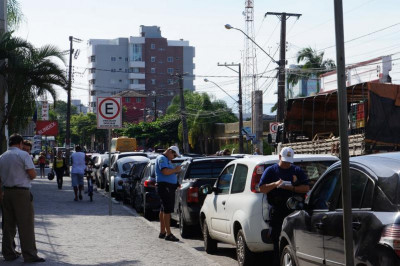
(143, 192)
(133, 176)
(235, 213)
(119, 173)
(100, 163)
(195, 173)
(314, 234)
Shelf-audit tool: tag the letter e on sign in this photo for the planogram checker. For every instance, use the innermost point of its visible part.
(109, 112)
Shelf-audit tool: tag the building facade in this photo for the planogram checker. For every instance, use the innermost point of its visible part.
(145, 64)
(133, 106)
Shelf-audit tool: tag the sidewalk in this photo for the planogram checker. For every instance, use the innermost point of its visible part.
(82, 233)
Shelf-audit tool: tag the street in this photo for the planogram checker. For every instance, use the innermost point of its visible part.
(82, 233)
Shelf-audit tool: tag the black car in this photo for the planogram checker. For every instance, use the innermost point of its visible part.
(188, 201)
(313, 235)
(143, 191)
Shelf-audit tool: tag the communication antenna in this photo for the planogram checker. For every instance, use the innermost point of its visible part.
(77, 52)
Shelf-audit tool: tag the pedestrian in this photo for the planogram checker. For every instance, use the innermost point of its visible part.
(281, 181)
(226, 152)
(166, 184)
(28, 147)
(77, 171)
(42, 164)
(16, 173)
(59, 168)
(256, 151)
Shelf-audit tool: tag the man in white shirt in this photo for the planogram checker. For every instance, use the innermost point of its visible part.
(77, 172)
(16, 173)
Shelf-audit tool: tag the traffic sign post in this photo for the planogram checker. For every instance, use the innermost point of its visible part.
(109, 116)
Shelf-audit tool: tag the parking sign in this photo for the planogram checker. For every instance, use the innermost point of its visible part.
(109, 112)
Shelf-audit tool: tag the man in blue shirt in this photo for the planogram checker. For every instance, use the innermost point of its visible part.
(280, 182)
(166, 184)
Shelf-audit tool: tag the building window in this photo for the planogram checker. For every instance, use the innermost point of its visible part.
(92, 81)
(138, 100)
(153, 82)
(170, 59)
(112, 69)
(137, 54)
(134, 81)
(126, 59)
(177, 70)
(177, 58)
(153, 46)
(92, 70)
(127, 99)
(153, 59)
(153, 70)
(120, 80)
(113, 59)
(119, 58)
(92, 58)
(126, 70)
(170, 71)
(170, 81)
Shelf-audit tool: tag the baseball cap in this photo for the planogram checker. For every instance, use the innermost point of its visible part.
(287, 154)
(175, 149)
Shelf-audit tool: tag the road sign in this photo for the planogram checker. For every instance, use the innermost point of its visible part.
(273, 127)
(109, 112)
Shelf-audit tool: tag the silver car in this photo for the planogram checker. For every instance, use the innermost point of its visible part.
(119, 172)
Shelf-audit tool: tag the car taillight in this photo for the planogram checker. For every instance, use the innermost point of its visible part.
(391, 237)
(193, 194)
(255, 178)
(149, 183)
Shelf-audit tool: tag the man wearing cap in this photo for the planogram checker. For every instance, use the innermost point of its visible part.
(166, 184)
(280, 182)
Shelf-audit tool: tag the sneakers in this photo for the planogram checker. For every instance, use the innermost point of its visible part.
(172, 238)
(162, 235)
(38, 259)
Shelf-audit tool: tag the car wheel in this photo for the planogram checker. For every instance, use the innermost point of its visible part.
(184, 229)
(147, 213)
(210, 245)
(243, 254)
(287, 257)
(102, 183)
(138, 203)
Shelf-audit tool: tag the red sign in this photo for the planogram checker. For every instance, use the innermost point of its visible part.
(47, 128)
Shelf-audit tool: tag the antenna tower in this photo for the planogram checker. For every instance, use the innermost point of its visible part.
(249, 58)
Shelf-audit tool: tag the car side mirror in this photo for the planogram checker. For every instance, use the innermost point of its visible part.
(295, 203)
(206, 189)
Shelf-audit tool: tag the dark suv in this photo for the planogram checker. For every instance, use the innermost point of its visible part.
(314, 234)
(195, 173)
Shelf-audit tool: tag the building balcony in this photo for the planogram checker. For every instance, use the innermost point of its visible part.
(140, 87)
(140, 64)
(91, 76)
(137, 76)
(91, 65)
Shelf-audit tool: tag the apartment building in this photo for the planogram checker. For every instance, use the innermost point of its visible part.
(145, 64)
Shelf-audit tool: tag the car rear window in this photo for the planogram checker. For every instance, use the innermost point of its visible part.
(138, 168)
(206, 169)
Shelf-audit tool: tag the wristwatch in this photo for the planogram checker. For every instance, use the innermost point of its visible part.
(257, 187)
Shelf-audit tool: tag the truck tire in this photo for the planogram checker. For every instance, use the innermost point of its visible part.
(210, 245)
(244, 255)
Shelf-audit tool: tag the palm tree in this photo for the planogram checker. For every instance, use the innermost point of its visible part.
(14, 14)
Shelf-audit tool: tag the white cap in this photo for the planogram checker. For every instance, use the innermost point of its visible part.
(287, 155)
(175, 149)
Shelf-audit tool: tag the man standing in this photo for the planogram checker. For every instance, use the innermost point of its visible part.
(16, 172)
(77, 172)
(166, 184)
(281, 181)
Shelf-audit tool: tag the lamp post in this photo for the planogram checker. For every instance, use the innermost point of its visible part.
(239, 101)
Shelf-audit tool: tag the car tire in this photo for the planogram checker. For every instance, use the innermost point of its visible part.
(147, 213)
(243, 253)
(210, 245)
(288, 257)
(184, 229)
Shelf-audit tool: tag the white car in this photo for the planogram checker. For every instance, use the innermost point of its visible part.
(235, 213)
(119, 172)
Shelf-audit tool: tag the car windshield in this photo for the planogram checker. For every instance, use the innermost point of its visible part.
(206, 169)
(126, 167)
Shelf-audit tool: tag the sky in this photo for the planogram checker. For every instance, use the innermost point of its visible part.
(201, 22)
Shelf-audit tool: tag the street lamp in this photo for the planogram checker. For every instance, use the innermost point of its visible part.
(239, 102)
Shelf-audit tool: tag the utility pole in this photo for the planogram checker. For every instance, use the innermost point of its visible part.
(344, 139)
(241, 149)
(183, 116)
(282, 63)
(3, 91)
(155, 106)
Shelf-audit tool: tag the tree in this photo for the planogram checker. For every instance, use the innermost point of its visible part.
(58, 112)
(14, 14)
(83, 127)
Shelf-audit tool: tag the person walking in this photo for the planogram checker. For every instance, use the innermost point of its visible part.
(16, 173)
(77, 171)
(280, 182)
(42, 164)
(59, 168)
(166, 184)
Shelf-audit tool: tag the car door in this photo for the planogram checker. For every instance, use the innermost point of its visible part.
(309, 239)
(219, 222)
(362, 188)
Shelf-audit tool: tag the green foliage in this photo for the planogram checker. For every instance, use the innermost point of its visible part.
(58, 112)
(83, 127)
(14, 14)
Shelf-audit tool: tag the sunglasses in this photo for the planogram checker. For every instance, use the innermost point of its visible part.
(174, 153)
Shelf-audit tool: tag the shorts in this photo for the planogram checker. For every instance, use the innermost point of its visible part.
(166, 191)
(77, 179)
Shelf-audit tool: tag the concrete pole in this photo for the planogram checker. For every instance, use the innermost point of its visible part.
(68, 122)
(257, 101)
(344, 140)
(3, 91)
(183, 116)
